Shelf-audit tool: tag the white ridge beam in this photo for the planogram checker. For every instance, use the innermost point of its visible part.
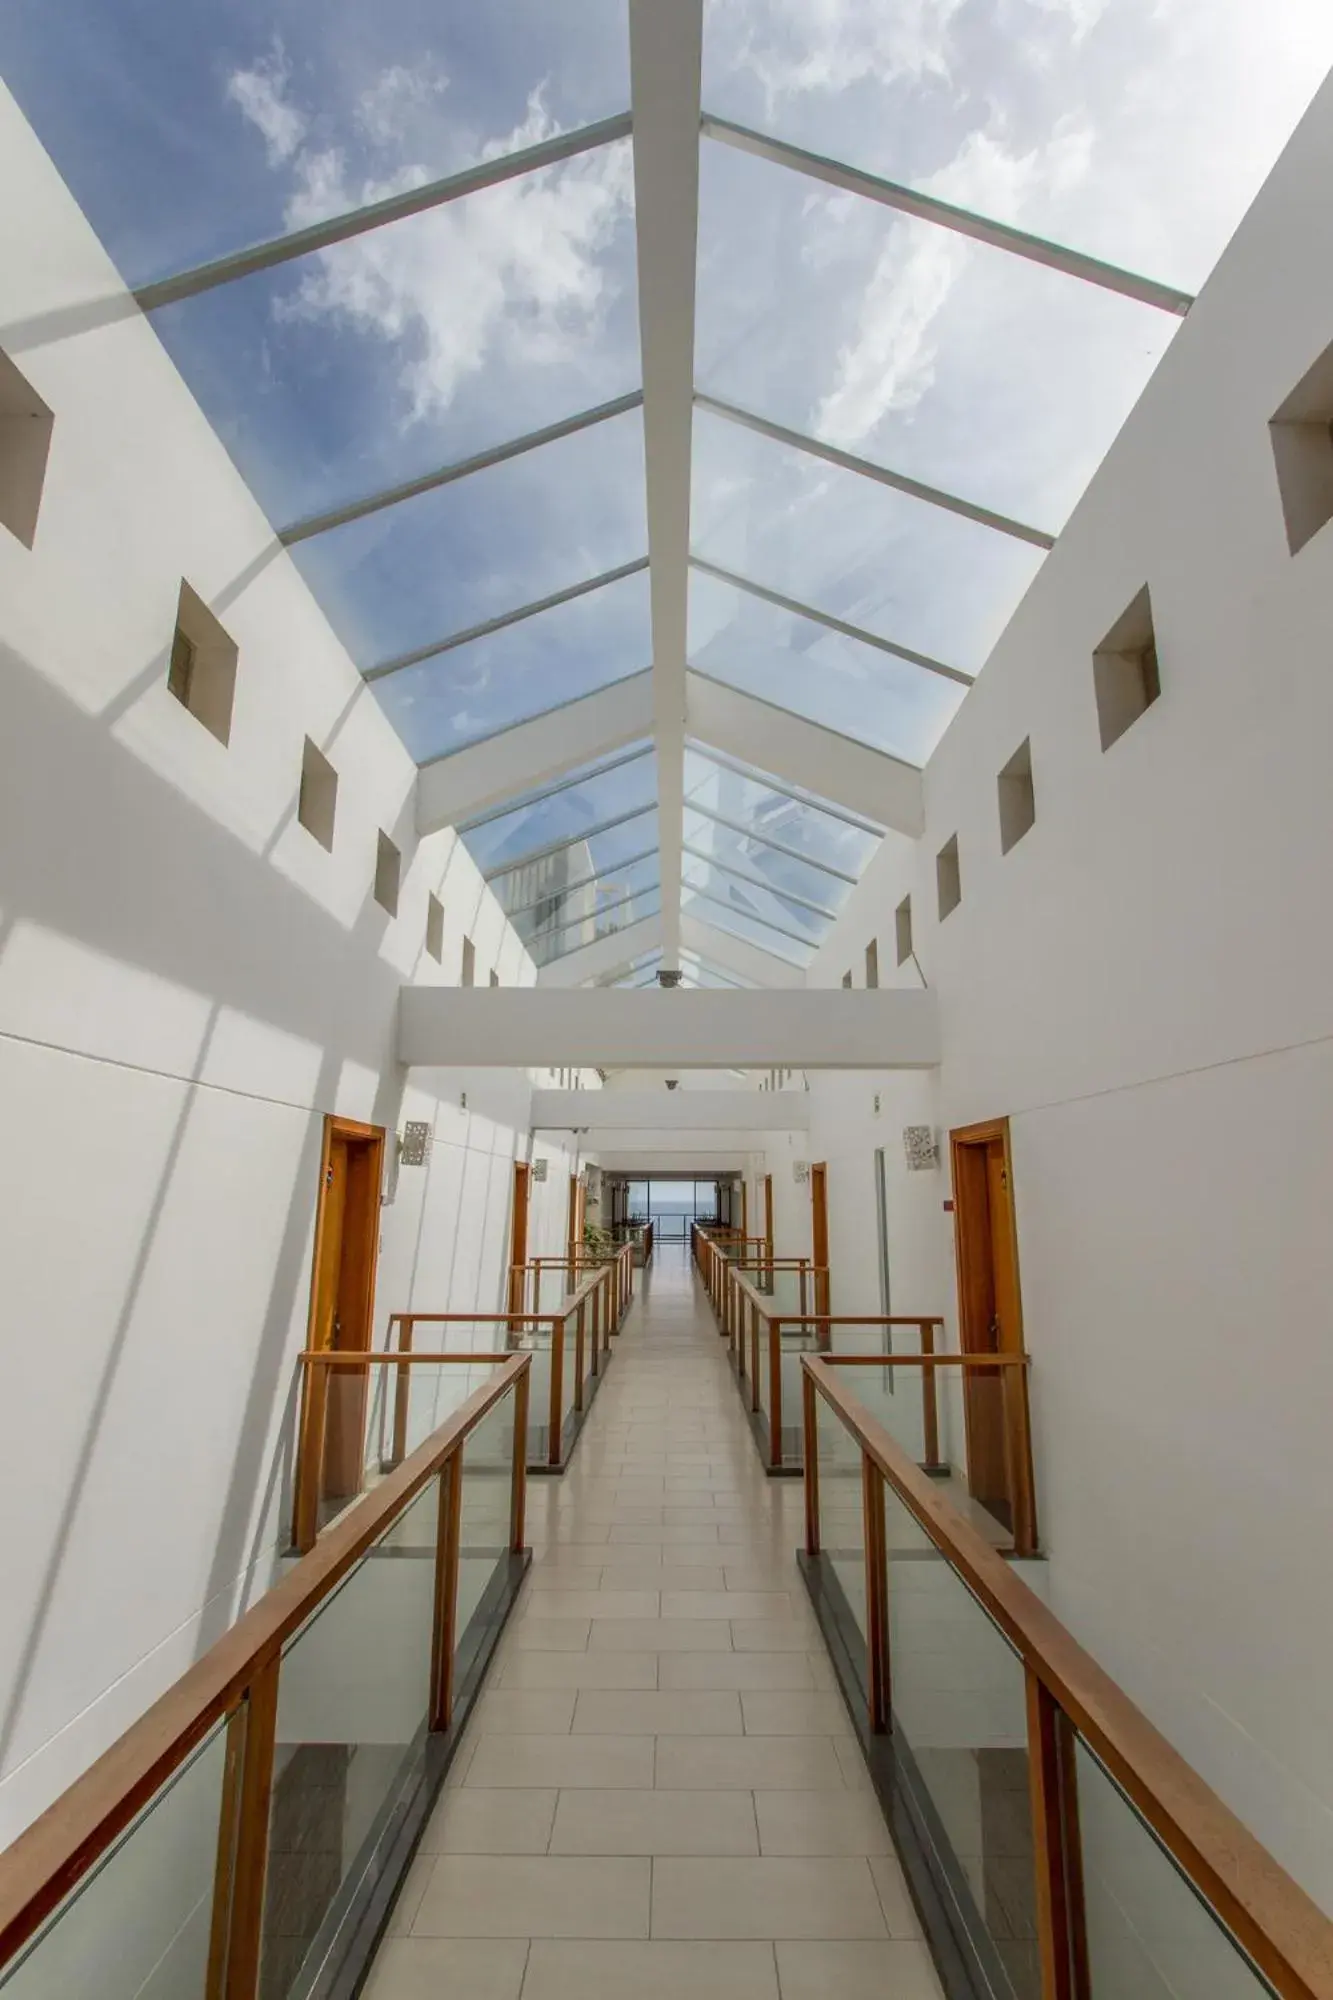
(963, 221)
(770, 739)
(518, 760)
(666, 54)
(594, 961)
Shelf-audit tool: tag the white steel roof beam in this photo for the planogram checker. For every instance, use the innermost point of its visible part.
(849, 631)
(763, 969)
(666, 52)
(516, 617)
(963, 221)
(593, 961)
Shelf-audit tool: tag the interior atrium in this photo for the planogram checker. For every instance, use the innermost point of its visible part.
(666, 999)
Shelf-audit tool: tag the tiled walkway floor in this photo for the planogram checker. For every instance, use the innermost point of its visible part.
(659, 1796)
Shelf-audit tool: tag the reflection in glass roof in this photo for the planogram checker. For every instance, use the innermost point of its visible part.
(619, 792)
(810, 829)
(755, 861)
(601, 920)
(733, 917)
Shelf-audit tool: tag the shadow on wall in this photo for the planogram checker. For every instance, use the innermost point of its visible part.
(95, 847)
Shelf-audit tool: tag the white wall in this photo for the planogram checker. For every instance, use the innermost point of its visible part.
(188, 983)
(1144, 985)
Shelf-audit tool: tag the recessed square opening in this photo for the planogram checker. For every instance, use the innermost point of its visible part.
(902, 927)
(495, 979)
(388, 874)
(1302, 434)
(872, 964)
(435, 928)
(25, 442)
(469, 962)
(318, 803)
(948, 881)
(1018, 807)
(847, 979)
(201, 671)
(1125, 673)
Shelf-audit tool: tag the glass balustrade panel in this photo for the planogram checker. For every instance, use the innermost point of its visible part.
(841, 1510)
(484, 1520)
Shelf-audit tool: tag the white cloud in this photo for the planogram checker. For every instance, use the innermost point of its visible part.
(395, 95)
(793, 47)
(515, 271)
(261, 95)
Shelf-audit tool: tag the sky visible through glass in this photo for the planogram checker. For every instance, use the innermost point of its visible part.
(1135, 130)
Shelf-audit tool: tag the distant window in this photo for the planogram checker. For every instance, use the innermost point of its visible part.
(1125, 673)
(1302, 435)
(435, 928)
(847, 979)
(388, 874)
(1018, 806)
(25, 442)
(872, 964)
(948, 881)
(902, 929)
(318, 803)
(201, 670)
(469, 963)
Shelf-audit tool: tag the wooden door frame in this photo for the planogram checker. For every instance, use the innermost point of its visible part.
(819, 1233)
(968, 1245)
(768, 1214)
(348, 1132)
(975, 1283)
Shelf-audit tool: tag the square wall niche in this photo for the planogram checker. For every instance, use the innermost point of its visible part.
(902, 929)
(388, 874)
(872, 965)
(201, 670)
(847, 981)
(1302, 435)
(1125, 675)
(317, 806)
(1018, 807)
(469, 972)
(25, 443)
(434, 928)
(948, 880)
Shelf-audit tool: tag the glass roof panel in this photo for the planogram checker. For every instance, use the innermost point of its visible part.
(762, 864)
(941, 358)
(555, 906)
(476, 689)
(603, 854)
(802, 666)
(800, 825)
(619, 792)
(1110, 128)
(599, 923)
(846, 545)
(187, 132)
(764, 905)
(485, 546)
(739, 923)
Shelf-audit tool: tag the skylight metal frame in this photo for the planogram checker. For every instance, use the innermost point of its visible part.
(567, 595)
(557, 846)
(849, 631)
(810, 944)
(655, 889)
(946, 215)
(584, 882)
(583, 776)
(766, 840)
(757, 882)
(754, 776)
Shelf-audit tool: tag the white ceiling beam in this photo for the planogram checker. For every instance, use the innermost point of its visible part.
(738, 955)
(671, 1111)
(666, 53)
(603, 955)
(519, 760)
(800, 609)
(583, 588)
(807, 1027)
(787, 746)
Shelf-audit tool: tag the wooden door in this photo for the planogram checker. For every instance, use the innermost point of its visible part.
(819, 1233)
(342, 1290)
(990, 1313)
(518, 1236)
(768, 1215)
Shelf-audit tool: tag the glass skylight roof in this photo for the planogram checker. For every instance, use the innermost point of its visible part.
(1129, 130)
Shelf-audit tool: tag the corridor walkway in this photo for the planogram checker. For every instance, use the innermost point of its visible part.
(659, 1797)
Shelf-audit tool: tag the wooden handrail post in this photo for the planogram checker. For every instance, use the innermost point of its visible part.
(1018, 1455)
(555, 1417)
(930, 1409)
(877, 1601)
(249, 1864)
(578, 1355)
(402, 1389)
(518, 1490)
(1057, 1859)
(309, 1455)
(444, 1629)
(752, 1320)
(810, 1428)
(774, 1392)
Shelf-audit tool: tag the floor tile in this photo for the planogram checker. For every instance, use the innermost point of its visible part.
(723, 1898)
(656, 1822)
(777, 1714)
(473, 1821)
(510, 1711)
(468, 1896)
(654, 1971)
(424, 1968)
(745, 1763)
(582, 1670)
(848, 1971)
(606, 1712)
(661, 1635)
(785, 1672)
(659, 1576)
(537, 1762)
(725, 1604)
(900, 1914)
(827, 1822)
(550, 1635)
(773, 1635)
(598, 1603)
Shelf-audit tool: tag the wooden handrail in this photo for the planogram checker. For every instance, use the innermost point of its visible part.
(406, 1357)
(1286, 1935)
(48, 1860)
